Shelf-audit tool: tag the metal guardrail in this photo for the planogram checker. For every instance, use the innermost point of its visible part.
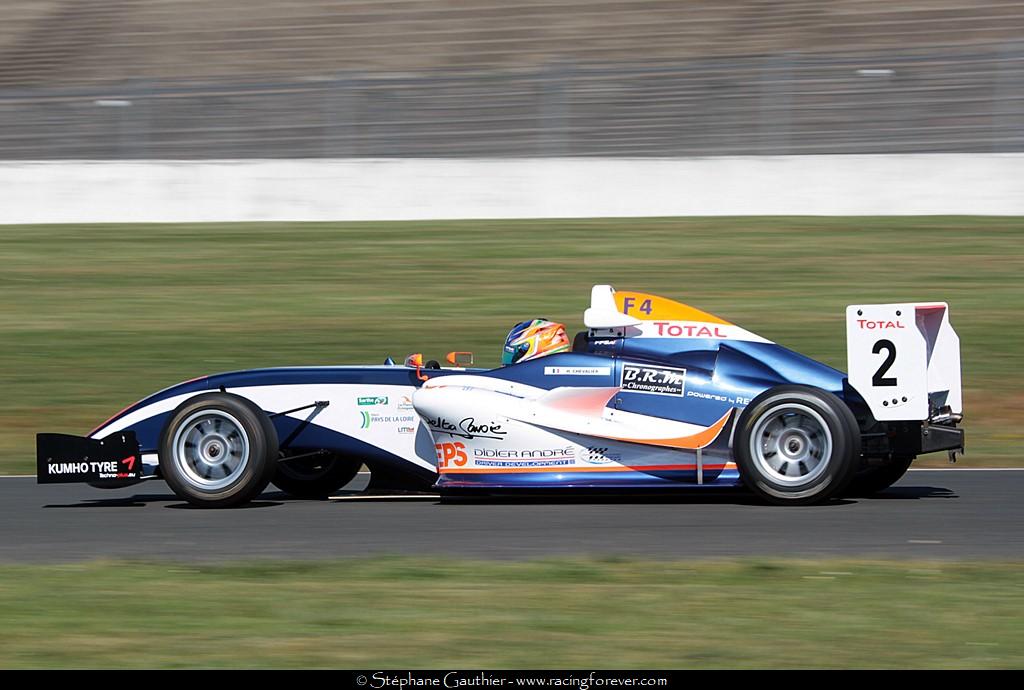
(911, 102)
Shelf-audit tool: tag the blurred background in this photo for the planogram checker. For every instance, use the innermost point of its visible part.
(96, 316)
(188, 79)
(337, 82)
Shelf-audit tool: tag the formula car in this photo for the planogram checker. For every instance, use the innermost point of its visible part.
(653, 395)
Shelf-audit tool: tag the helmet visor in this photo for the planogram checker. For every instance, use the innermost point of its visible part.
(513, 353)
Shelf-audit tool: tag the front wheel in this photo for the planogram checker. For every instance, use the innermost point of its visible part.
(218, 450)
(797, 445)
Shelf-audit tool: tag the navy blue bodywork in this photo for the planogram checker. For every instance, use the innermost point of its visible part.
(720, 376)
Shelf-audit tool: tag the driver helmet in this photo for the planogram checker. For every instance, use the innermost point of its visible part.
(532, 339)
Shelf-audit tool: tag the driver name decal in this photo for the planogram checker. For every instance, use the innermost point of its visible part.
(577, 371)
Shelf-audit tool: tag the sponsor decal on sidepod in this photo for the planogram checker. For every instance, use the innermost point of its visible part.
(525, 457)
(600, 456)
(468, 428)
(368, 419)
(640, 378)
(451, 452)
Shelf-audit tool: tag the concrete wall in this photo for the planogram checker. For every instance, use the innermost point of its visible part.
(405, 189)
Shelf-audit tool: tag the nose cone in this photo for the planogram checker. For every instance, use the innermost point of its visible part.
(432, 404)
(463, 411)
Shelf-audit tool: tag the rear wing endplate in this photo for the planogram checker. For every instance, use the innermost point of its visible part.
(904, 360)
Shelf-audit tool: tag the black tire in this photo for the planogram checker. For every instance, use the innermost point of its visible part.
(315, 477)
(807, 449)
(871, 480)
(218, 450)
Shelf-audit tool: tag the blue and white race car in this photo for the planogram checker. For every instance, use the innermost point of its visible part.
(654, 395)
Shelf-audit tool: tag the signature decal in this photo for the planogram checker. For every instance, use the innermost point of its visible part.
(468, 428)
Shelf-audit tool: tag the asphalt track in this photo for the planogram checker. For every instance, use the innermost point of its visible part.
(949, 515)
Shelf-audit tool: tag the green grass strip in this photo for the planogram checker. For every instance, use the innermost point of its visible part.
(590, 614)
(94, 317)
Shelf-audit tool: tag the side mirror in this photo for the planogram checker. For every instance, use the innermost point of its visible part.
(460, 359)
(416, 360)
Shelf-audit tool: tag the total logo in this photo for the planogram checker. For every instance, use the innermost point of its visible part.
(878, 325)
(454, 453)
(688, 330)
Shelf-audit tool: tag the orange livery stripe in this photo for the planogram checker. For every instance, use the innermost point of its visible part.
(595, 468)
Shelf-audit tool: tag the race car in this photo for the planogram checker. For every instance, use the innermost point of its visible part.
(654, 395)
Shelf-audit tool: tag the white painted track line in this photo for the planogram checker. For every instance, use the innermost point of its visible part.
(966, 469)
(390, 497)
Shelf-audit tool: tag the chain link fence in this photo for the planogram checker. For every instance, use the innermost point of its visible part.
(905, 102)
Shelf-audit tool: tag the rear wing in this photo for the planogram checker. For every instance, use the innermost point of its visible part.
(904, 360)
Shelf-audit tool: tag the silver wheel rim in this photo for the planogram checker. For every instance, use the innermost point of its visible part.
(211, 449)
(791, 445)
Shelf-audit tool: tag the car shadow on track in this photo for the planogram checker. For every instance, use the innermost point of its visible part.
(629, 500)
(134, 501)
(702, 497)
(244, 506)
(267, 499)
(912, 493)
(143, 500)
(697, 497)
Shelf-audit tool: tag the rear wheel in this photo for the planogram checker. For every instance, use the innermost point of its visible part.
(218, 450)
(315, 477)
(797, 445)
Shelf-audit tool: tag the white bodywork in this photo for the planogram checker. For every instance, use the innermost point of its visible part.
(391, 423)
(482, 424)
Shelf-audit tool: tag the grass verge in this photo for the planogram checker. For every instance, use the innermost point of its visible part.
(97, 316)
(399, 613)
